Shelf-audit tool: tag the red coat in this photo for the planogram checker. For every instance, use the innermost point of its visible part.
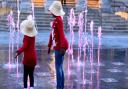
(57, 35)
(29, 51)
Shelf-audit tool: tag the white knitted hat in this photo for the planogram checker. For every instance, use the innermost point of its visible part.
(28, 24)
(56, 9)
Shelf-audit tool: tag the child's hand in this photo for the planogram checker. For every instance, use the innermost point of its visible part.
(16, 55)
(62, 51)
(51, 23)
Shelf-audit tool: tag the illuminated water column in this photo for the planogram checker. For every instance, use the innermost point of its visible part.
(18, 31)
(71, 23)
(92, 42)
(80, 35)
(99, 43)
(11, 25)
(85, 16)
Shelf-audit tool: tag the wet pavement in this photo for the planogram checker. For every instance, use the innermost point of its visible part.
(112, 73)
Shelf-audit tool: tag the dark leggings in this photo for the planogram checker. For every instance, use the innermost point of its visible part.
(28, 71)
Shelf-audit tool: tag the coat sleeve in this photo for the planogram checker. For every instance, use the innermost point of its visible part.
(24, 46)
(50, 41)
(61, 32)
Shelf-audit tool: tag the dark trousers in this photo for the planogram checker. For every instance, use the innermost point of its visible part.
(63, 2)
(59, 70)
(28, 71)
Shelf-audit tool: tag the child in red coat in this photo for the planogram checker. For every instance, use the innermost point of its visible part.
(58, 41)
(28, 48)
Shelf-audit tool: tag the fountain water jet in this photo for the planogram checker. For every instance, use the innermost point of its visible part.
(99, 43)
(71, 22)
(80, 35)
(11, 25)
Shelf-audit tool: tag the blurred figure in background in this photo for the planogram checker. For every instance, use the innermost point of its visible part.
(63, 2)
